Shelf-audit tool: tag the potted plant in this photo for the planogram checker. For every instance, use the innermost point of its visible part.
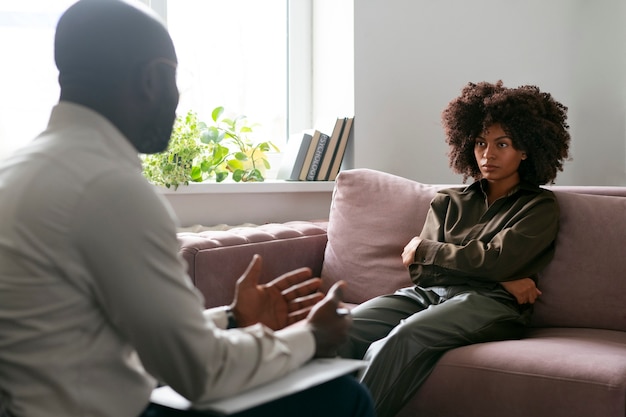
(199, 152)
(232, 151)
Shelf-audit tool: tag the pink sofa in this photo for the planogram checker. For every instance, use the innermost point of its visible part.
(572, 361)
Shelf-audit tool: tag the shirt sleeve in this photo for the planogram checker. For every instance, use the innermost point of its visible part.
(127, 239)
(516, 244)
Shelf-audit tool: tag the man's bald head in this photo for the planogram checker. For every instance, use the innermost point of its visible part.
(98, 42)
(119, 60)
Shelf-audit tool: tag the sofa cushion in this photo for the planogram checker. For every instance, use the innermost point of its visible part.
(585, 284)
(373, 215)
(565, 372)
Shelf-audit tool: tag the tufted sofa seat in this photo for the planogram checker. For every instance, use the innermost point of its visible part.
(213, 256)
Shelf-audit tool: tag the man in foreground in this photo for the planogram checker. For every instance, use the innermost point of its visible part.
(95, 304)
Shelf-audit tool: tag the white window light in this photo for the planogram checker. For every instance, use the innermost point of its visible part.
(29, 78)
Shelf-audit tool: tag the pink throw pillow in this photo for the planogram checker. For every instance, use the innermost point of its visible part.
(373, 215)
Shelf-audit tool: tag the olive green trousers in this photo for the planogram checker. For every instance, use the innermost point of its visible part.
(404, 334)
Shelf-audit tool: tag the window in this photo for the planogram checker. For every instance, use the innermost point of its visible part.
(258, 58)
(233, 54)
(28, 77)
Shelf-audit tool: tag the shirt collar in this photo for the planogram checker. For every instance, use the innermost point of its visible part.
(66, 114)
(480, 185)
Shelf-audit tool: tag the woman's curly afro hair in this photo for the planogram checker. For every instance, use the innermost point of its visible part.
(535, 122)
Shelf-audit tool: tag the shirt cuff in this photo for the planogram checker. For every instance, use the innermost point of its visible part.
(300, 341)
(426, 252)
(298, 337)
(217, 315)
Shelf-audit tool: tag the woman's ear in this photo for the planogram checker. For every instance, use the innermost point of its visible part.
(524, 156)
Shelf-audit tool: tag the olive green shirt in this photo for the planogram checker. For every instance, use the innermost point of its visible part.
(467, 242)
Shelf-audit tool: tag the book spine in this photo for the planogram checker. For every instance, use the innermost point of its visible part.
(299, 162)
(317, 157)
(341, 149)
(331, 147)
(309, 155)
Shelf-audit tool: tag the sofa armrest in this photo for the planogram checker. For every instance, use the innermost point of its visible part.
(216, 259)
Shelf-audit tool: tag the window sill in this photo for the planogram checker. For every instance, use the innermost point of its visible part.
(268, 186)
(272, 201)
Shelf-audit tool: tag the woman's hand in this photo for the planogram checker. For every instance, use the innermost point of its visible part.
(408, 254)
(524, 290)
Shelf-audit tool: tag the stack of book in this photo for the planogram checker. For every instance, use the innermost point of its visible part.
(320, 156)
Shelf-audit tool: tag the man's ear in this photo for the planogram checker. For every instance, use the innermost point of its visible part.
(147, 81)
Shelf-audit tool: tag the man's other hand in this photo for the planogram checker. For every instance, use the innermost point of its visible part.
(330, 323)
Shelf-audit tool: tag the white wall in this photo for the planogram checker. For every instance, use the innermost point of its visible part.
(212, 204)
(333, 62)
(413, 56)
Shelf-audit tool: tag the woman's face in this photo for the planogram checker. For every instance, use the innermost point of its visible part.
(497, 158)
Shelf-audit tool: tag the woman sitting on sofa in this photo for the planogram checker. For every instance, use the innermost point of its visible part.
(476, 260)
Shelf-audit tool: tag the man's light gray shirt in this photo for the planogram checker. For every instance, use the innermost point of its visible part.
(95, 302)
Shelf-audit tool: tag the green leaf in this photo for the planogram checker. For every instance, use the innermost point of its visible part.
(221, 151)
(255, 175)
(241, 156)
(235, 164)
(205, 136)
(217, 113)
(211, 135)
(205, 166)
(238, 175)
(221, 176)
(196, 174)
(239, 117)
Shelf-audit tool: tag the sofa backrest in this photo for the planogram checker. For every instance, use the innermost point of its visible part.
(374, 214)
(216, 259)
(585, 284)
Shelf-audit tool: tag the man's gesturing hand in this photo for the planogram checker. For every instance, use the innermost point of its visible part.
(329, 323)
(279, 303)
